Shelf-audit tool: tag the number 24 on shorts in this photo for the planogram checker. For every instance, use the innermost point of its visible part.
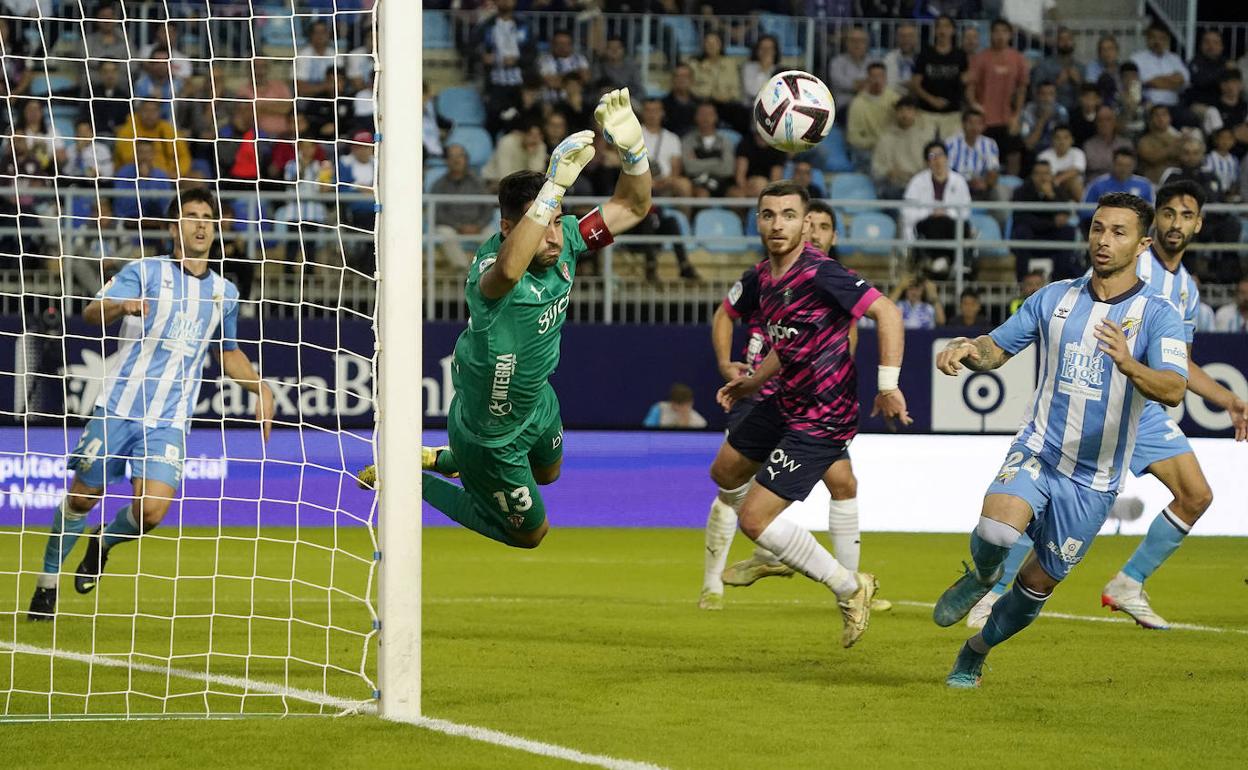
(1011, 467)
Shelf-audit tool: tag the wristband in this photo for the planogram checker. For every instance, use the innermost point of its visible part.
(888, 377)
(635, 161)
(549, 199)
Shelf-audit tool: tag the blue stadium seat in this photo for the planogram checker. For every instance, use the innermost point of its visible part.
(42, 86)
(711, 223)
(751, 223)
(849, 186)
(475, 141)
(987, 229)
(432, 175)
(436, 29)
(682, 222)
(732, 134)
(872, 226)
(461, 105)
(688, 41)
(1009, 183)
(833, 153)
(786, 29)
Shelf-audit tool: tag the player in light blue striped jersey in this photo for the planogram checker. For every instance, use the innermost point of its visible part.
(1161, 448)
(1107, 345)
(174, 311)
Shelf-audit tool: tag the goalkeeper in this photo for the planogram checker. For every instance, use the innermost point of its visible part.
(173, 310)
(506, 436)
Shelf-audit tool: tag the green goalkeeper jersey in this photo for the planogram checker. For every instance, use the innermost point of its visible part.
(505, 357)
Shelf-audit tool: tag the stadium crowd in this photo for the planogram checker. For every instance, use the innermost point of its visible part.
(109, 116)
(929, 112)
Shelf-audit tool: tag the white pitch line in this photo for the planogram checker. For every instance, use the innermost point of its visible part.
(454, 729)
(1105, 619)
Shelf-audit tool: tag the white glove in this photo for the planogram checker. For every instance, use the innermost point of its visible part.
(622, 129)
(566, 162)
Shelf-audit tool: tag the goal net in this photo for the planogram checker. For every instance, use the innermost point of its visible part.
(257, 591)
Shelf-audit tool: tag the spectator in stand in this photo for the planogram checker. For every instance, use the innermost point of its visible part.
(149, 183)
(1230, 110)
(763, 63)
(17, 60)
(1040, 117)
(1105, 72)
(197, 124)
(520, 150)
(34, 127)
(504, 44)
(970, 40)
(86, 158)
(976, 157)
(1223, 164)
(676, 412)
(1099, 150)
(1160, 146)
(997, 88)
(172, 155)
(1028, 16)
(554, 130)
(937, 184)
(1031, 283)
(1205, 319)
(899, 62)
(921, 307)
(1063, 70)
(804, 175)
(1161, 70)
(455, 219)
(1044, 225)
(1083, 119)
(664, 148)
(937, 79)
(434, 125)
(680, 104)
(109, 105)
(1205, 70)
(359, 62)
(756, 165)
(898, 154)
(869, 115)
(717, 79)
(166, 39)
(357, 174)
(970, 313)
(614, 68)
(707, 154)
(315, 62)
(1233, 316)
(274, 99)
(562, 59)
(847, 74)
(1121, 178)
(107, 38)
(237, 161)
(310, 179)
(156, 82)
(578, 110)
(1132, 111)
(1067, 163)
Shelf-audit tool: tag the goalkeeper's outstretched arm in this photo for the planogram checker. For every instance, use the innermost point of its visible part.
(631, 199)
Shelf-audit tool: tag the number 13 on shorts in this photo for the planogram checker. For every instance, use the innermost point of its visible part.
(520, 495)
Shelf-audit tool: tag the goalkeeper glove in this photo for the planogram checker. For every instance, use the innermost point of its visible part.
(622, 129)
(566, 162)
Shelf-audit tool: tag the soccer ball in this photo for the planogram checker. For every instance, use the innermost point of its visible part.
(794, 111)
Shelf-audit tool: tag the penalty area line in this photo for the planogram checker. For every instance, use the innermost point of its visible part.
(347, 706)
(1103, 619)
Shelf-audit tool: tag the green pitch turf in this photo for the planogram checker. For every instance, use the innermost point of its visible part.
(594, 642)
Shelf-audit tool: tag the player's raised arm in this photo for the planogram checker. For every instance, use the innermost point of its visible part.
(1164, 377)
(522, 241)
(121, 296)
(980, 355)
(631, 199)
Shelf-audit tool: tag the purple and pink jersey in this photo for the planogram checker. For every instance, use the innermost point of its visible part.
(806, 315)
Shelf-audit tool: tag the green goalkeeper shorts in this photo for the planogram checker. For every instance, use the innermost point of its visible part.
(501, 478)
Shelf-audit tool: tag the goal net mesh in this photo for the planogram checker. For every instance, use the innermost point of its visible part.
(255, 593)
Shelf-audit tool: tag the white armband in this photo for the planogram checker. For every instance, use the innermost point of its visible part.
(888, 377)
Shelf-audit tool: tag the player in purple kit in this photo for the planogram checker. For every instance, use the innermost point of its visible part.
(788, 441)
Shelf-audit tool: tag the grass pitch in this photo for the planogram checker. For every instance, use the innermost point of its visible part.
(594, 642)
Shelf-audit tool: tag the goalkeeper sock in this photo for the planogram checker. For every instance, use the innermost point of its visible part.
(1013, 561)
(67, 525)
(461, 508)
(445, 463)
(1164, 537)
(721, 525)
(799, 549)
(1014, 612)
(123, 527)
(843, 531)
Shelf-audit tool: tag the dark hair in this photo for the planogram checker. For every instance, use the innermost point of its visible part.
(1121, 200)
(1156, 27)
(820, 207)
(948, 18)
(1040, 162)
(1230, 75)
(934, 143)
(875, 65)
(1044, 83)
(192, 195)
(517, 191)
(1180, 188)
(1216, 134)
(1127, 151)
(1063, 127)
(1158, 108)
(970, 293)
(1129, 66)
(971, 111)
(680, 393)
(906, 101)
(774, 41)
(1001, 23)
(782, 187)
(1090, 88)
(1037, 274)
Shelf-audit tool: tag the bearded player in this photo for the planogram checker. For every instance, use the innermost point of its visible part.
(1160, 446)
(788, 441)
(506, 436)
(721, 523)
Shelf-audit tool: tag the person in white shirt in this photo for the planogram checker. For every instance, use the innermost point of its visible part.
(676, 412)
(1206, 321)
(1233, 316)
(936, 184)
(1162, 72)
(899, 62)
(1068, 163)
(664, 150)
(847, 74)
(315, 62)
(1222, 164)
(975, 156)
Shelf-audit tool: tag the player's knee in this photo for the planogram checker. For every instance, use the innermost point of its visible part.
(81, 503)
(531, 539)
(1197, 501)
(727, 477)
(544, 476)
(844, 488)
(751, 524)
(154, 511)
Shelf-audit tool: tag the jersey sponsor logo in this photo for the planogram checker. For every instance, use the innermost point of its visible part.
(1082, 374)
(546, 321)
(500, 389)
(787, 297)
(1069, 551)
(1173, 352)
(734, 294)
(779, 461)
(778, 332)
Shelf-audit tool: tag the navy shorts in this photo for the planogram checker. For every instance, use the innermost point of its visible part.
(792, 462)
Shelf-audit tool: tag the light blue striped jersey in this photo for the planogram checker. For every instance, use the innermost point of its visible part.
(1224, 167)
(1083, 417)
(158, 368)
(973, 160)
(1178, 287)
